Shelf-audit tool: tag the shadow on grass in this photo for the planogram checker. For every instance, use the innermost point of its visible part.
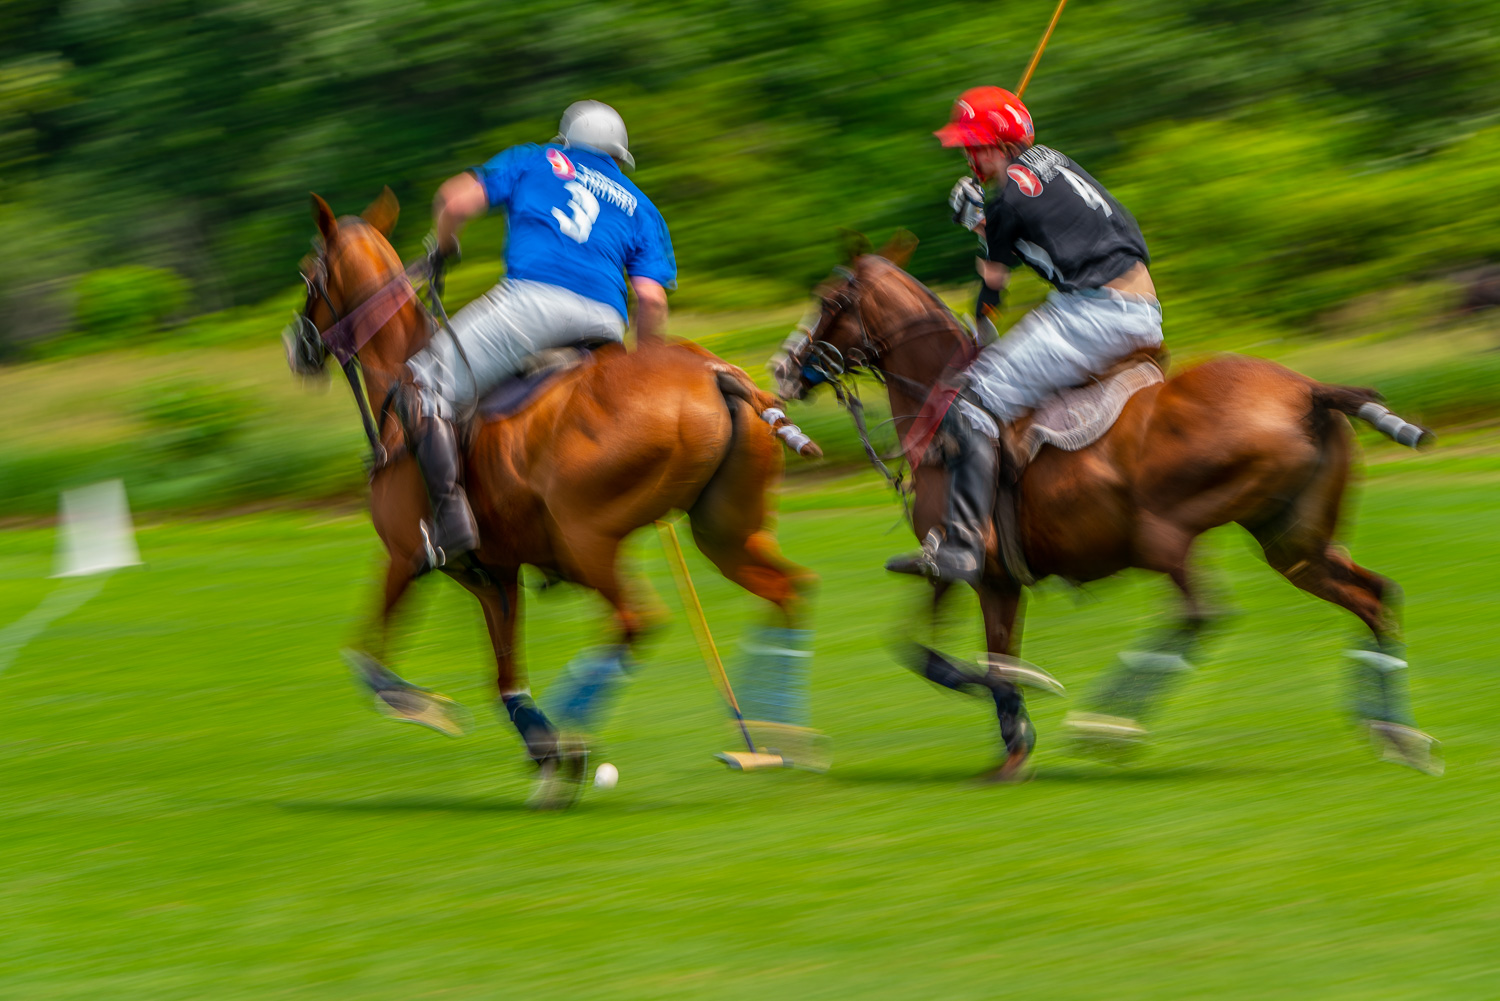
(1072, 773)
(406, 804)
(1085, 772)
(480, 805)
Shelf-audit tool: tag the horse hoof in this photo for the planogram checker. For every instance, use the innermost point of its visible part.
(400, 700)
(560, 778)
(410, 705)
(1103, 736)
(1015, 769)
(1406, 745)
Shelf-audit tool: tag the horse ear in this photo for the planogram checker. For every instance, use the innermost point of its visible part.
(899, 248)
(853, 245)
(328, 225)
(383, 211)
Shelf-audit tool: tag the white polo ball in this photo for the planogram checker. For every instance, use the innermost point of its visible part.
(605, 776)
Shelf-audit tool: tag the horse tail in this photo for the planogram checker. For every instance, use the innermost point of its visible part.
(734, 383)
(1365, 404)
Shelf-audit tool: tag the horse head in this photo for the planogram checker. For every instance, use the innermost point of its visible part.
(866, 308)
(351, 262)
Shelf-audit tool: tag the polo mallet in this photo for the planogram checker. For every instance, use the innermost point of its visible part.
(1036, 56)
(751, 758)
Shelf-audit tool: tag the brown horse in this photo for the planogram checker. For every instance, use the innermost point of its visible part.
(604, 449)
(1234, 439)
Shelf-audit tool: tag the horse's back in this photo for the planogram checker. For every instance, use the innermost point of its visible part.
(1204, 448)
(630, 436)
(1224, 435)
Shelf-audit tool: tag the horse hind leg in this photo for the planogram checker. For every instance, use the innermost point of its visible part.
(592, 678)
(729, 520)
(1140, 679)
(1299, 545)
(729, 525)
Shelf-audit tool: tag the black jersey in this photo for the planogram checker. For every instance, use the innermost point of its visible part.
(1054, 216)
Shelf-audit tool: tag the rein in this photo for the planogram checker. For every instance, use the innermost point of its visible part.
(828, 364)
(352, 331)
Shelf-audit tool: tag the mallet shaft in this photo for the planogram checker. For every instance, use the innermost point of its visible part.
(1036, 57)
(699, 623)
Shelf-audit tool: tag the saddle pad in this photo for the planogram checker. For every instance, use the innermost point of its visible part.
(1078, 417)
(512, 395)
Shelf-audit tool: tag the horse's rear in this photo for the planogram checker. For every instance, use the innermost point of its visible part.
(1233, 440)
(620, 443)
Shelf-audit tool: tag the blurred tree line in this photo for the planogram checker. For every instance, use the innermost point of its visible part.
(155, 155)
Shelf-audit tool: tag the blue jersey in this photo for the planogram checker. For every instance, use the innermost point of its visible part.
(575, 221)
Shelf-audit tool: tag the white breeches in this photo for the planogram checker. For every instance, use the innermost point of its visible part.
(1063, 342)
(497, 332)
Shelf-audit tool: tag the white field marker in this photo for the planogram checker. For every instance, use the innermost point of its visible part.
(95, 536)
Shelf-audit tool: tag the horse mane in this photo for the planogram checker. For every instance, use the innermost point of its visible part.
(944, 316)
(391, 263)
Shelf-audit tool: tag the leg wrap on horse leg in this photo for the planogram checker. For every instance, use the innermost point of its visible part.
(1016, 729)
(533, 726)
(773, 676)
(1138, 682)
(946, 672)
(592, 679)
(1379, 685)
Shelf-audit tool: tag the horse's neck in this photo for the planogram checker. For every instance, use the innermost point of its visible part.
(923, 341)
(383, 359)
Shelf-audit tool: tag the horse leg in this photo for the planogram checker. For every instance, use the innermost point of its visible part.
(561, 765)
(395, 697)
(1380, 693)
(729, 525)
(592, 677)
(1002, 611)
(1139, 680)
(1298, 541)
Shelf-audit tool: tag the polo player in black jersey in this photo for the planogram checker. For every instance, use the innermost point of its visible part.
(1051, 214)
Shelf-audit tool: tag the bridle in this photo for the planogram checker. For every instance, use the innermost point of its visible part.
(816, 361)
(808, 358)
(305, 350)
(308, 347)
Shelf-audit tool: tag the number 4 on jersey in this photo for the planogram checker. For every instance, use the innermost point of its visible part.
(585, 208)
(1086, 191)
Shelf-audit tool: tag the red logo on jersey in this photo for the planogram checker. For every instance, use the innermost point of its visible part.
(561, 165)
(1029, 183)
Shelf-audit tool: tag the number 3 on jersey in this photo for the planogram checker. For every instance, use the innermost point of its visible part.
(585, 209)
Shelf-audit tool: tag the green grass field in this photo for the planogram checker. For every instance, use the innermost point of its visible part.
(197, 803)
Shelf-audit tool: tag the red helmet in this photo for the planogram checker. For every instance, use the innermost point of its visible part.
(987, 116)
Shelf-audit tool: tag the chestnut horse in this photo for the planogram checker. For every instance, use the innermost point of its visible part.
(606, 448)
(1234, 439)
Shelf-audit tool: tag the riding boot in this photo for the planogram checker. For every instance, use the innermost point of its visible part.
(959, 556)
(454, 531)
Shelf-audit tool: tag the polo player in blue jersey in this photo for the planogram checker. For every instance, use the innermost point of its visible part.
(577, 227)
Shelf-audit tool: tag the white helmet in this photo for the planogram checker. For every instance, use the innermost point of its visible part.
(595, 125)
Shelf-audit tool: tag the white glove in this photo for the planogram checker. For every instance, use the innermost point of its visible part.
(967, 199)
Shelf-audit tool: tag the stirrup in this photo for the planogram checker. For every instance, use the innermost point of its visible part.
(922, 563)
(434, 558)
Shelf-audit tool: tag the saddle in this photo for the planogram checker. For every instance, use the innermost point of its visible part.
(538, 372)
(1079, 416)
(1072, 420)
